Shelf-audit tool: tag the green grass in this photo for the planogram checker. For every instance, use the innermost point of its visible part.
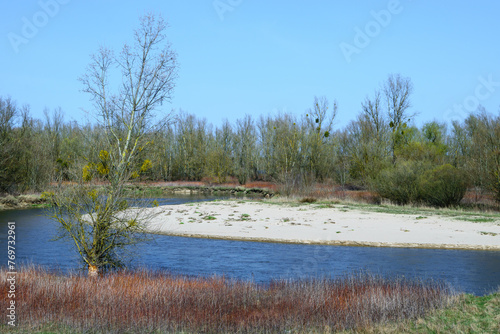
(469, 314)
(40, 206)
(478, 220)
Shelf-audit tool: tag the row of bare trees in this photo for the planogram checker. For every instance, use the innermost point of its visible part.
(283, 148)
(264, 148)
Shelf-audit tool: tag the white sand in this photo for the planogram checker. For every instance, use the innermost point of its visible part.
(310, 223)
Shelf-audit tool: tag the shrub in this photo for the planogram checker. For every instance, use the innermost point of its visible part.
(442, 186)
(308, 200)
(399, 184)
(295, 184)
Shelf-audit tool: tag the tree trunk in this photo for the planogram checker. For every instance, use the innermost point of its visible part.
(93, 271)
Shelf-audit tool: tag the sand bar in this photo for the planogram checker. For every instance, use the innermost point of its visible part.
(317, 224)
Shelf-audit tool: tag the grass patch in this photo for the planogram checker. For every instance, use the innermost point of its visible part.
(145, 302)
(489, 233)
(468, 314)
(209, 218)
(477, 220)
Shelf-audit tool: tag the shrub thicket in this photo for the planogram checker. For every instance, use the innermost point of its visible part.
(414, 182)
(442, 186)
(399, 183)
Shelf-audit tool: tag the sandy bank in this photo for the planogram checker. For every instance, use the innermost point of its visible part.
(316, 224)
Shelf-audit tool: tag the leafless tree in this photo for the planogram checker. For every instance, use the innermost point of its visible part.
(320, 120)
(245, 147)
(372, 109)
(94, 218)
(321, 117)
(397, 90)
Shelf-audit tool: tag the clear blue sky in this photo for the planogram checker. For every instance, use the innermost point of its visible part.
(260, 57)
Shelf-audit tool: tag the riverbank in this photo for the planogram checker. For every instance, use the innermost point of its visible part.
(148, 190)
(28, 201)
(329, 224)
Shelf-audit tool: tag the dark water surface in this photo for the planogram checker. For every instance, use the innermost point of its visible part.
(469, 271)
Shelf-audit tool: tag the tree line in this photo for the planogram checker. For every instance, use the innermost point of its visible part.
(381, 149)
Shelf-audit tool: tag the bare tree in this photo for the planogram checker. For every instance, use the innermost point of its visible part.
(94, 218)
(244, 149)
(8, 113)
(372, 110)
(397, 90)
(320, 121)
(148, 70)
(53, 129)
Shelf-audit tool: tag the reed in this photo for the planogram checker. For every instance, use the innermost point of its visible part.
(151, 301)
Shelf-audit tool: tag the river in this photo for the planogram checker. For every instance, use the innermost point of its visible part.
(470, 271)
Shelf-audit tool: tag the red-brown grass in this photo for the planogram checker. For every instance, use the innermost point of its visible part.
(145, 301)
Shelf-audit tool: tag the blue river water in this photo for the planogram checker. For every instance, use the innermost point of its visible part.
(476, 272)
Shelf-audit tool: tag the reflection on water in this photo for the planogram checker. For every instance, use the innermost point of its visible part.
(469, 271)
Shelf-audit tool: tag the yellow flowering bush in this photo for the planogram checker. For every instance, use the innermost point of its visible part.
(146, 165)
(87, 173)
(102, 169)
(47, 195)
(103, 155)
(93, 194)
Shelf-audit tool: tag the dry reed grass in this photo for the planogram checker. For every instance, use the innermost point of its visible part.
(145, 301)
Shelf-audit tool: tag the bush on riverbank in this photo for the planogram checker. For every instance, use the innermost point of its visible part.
(145, 301)
(416, 183)
(442, 186)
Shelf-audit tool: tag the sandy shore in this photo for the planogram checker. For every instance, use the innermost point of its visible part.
(315, 224)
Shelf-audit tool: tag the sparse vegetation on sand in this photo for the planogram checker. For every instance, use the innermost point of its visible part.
(145, 301)
(458, 213)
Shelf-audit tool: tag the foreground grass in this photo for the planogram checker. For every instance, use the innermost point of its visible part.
(151, 302)
(469, 314)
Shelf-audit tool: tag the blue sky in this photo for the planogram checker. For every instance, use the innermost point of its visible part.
(259, 57)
